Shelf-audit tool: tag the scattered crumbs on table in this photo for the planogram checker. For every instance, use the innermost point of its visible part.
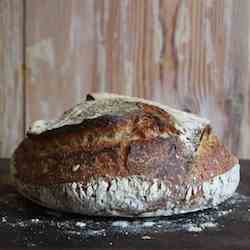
(192, 228)
(4, 219)
(72, 232)
(148, 223)
(35, 221)
(80, 224)
(21, 224)
(146, 237)
(73, 227)
(30, 244)
(96, 232)
(120, 224)
(63, 224)
(208, 225)
(224, 212)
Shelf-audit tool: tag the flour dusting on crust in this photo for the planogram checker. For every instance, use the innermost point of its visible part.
(129, 197)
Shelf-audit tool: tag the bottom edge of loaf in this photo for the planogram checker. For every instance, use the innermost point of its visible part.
(132, 196)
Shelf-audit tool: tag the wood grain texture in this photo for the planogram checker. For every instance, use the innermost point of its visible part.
(11, 79)
(60, 55)
(212, 67)
(237, 87)
(190, 54)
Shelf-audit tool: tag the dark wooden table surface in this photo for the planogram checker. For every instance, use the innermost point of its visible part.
(24, 224)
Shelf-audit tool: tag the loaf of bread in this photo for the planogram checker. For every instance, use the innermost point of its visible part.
(114, 155)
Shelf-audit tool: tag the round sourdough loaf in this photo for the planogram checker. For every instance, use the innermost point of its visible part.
(114, 155)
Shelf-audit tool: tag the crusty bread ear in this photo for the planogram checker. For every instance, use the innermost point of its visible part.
(185, 116)
(89, 97)
(190, 125)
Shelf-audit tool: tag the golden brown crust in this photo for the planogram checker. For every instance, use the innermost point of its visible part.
(144, 142)
(160, 158)
(141, 157)
(212, 158)
(124, 156)
(97, 147)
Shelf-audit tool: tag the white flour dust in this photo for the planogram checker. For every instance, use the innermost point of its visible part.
(238, 207)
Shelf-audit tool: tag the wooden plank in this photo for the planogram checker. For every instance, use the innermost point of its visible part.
(209, 66)
(74, 47)
(237, 88)
(11, 78)
(60, 55)
(197, 61)
(184, 53)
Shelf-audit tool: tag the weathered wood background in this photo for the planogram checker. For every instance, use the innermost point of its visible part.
(190, 54)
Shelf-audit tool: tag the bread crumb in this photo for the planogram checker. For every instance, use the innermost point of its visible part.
(30, 244)
(35, 220)
(73, 232)
(148, 223)
(146, 237)
(193, 228)
(208, 224)
(198, 228)
(4, 219)
(80, 224)
(75, 168)
(97, 232)
(224, 212)
(120, 224)
(21, 224)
